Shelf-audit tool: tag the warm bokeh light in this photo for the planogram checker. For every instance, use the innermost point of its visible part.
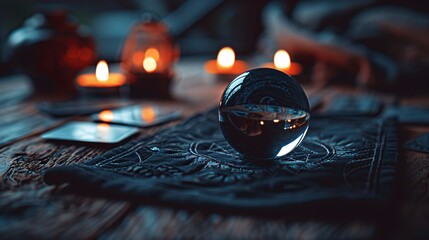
(281, 59)
(153, 53)
(106, 116)
(149, 64)
(102, 71)
(138, 58)
(226, 57)
(148, 114)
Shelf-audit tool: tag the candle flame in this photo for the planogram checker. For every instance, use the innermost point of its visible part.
(102, 71)
(226, 57)
(281, 59)
(149, 64)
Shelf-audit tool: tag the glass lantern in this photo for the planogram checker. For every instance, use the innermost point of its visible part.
(148, 57)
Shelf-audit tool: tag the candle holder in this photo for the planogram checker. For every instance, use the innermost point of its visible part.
(147, 59)
(90, 92)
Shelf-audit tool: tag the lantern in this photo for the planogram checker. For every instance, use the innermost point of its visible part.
(148, 57)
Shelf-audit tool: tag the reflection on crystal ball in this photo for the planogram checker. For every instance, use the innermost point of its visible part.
(264, 114)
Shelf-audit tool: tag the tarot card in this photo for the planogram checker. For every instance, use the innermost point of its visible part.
(138, 115)
(90, 132)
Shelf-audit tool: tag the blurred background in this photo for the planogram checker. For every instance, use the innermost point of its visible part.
(376, 43)
(201, 27)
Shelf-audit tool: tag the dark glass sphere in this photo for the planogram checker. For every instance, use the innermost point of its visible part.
(264, 114)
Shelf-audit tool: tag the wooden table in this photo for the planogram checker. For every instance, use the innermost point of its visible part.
(30, 208)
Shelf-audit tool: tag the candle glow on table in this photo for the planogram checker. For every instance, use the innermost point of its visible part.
(282, 62)
(106, 115)
(148, 114)
(102, 78)
(225, 64)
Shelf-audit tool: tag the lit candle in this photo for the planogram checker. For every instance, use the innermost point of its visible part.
(282, 62)
(150, 72)
(102, 83)
(226, 64)
(102, 78)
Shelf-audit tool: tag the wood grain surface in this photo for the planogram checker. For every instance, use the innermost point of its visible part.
(29, 208)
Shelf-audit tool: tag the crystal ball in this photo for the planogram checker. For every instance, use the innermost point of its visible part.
(264, 114)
